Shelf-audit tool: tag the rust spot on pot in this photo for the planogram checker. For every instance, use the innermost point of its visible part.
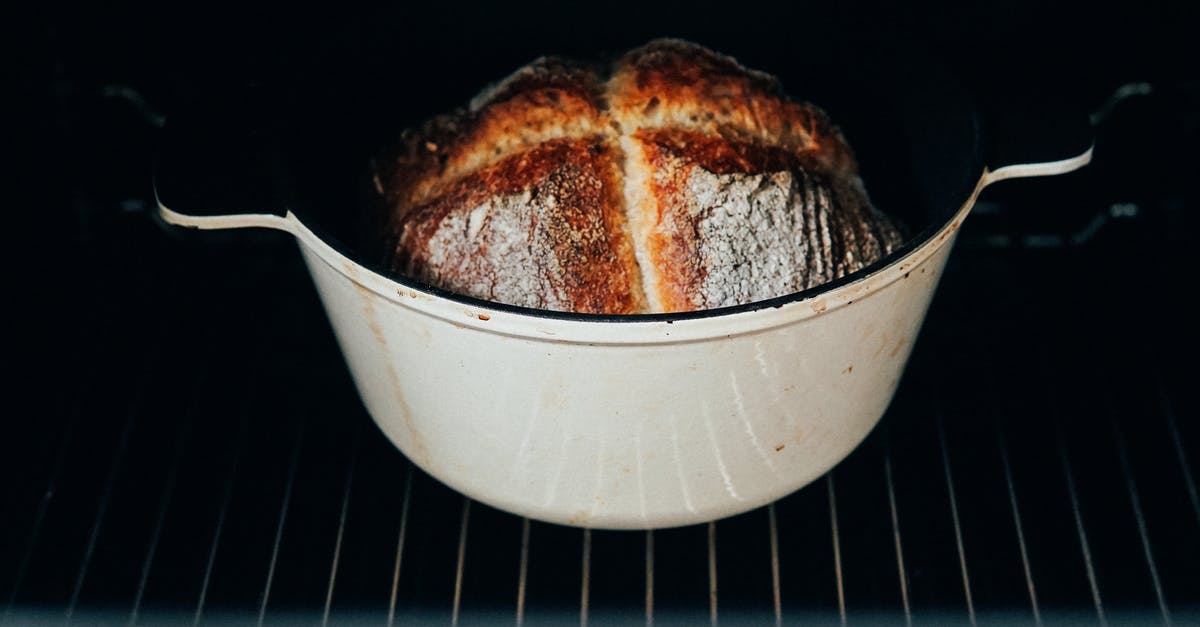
(418, 443)
(778, 447)
(948, 233)
(848, 369)
(884, 340)
(419, 451)
(552, 397)
(376, 330)
(907, 273)
(369, 313)
(484, 317)
(896, 349)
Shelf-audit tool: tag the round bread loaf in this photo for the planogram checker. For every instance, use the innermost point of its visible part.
(680, 181)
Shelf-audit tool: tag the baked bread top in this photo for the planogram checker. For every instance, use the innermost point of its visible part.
(680, 181)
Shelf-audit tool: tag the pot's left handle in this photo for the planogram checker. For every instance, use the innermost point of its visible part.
(219, 164)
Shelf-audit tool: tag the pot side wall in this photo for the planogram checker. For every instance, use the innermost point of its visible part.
(627, 435)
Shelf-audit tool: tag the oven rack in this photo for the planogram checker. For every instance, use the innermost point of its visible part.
(193, 451)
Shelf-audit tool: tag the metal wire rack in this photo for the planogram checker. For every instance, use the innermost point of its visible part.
(195, 453)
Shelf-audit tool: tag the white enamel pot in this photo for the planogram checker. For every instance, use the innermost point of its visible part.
(642, 421)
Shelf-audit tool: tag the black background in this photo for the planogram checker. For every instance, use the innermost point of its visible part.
(77, 132)
(117, 312)
(92, 81)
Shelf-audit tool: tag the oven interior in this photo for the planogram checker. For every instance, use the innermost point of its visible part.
(185, 445)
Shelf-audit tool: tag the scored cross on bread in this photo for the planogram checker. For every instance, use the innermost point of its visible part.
(682, 182)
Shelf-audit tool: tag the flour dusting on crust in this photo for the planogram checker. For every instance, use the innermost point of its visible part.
(681, 181)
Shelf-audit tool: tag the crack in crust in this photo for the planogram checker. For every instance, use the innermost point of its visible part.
(684, 181)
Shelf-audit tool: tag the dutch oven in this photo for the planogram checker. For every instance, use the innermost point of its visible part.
(635, 421)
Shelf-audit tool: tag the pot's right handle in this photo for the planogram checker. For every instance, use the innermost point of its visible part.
(219, 165)
(1035, 139)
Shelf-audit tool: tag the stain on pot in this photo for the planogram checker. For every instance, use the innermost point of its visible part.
(420, 452)
(580, 519)
(884, 340)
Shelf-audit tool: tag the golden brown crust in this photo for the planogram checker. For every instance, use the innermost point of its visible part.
(684, 181)
(546, 99)
(677, 84)
(711, 199)
(723, 156)
(543, 229)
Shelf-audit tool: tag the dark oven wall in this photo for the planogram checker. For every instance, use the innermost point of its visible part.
(187, 446)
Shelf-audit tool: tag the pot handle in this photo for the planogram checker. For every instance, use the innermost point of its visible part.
(1036, 139)
(218, 165)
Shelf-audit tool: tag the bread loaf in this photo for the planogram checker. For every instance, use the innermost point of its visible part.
(680, 181)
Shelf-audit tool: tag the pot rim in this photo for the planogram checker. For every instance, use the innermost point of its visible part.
(660, 328)
(663, 328)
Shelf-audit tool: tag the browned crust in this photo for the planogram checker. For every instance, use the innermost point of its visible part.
(722, 156)
(673, 252)
(857, 232)
(581, 235)
(547, 99)
(553, 127)
(666, 83)
(671, 153)
(674, 83)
